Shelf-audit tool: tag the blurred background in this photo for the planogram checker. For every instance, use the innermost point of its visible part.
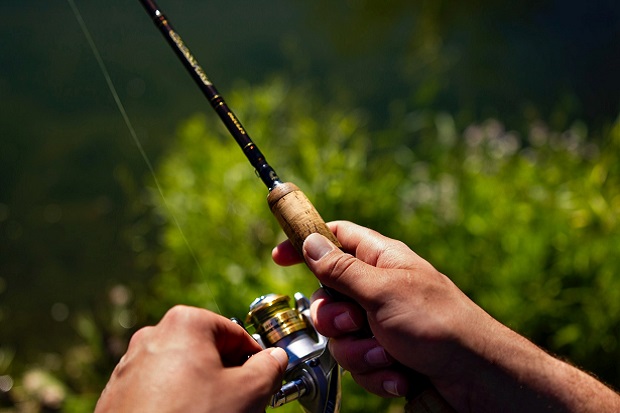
(483, 134)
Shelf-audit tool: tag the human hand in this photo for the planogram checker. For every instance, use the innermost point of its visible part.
(193, 361)
(417, 316)
(421, 320)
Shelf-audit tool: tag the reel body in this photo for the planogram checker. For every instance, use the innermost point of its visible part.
(312, 376)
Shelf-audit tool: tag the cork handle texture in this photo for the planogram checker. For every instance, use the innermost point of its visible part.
(296, 215)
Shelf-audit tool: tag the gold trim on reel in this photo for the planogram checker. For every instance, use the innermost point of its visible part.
(312, 376)
(273, 318)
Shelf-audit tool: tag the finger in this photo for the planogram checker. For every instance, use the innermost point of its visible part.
(349, 234)
(340, 271)
(385, 383)
(364, 243)
(359, 355)
(270, 363)
(233, 342)
(139, 337)
(185, 327)
(370, 246)
(261, 376)
(336, 318)
(285, 254)
(360, 241)
(322, 295)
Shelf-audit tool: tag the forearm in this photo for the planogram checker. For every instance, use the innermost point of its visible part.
(427, 324)
(518, 376)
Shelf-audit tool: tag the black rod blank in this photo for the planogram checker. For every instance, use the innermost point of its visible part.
(251, 151)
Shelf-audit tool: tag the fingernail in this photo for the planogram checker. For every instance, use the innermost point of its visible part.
(344, 322)
(317, 246)
(280, 355)
(376, 357)
(391, 387)
(319, 294)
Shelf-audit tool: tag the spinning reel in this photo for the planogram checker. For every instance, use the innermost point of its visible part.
(312, 376)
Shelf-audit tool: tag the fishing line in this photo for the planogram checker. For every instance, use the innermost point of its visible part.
(134, 136)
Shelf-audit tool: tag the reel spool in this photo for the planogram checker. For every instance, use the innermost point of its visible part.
(274, 319)
(312, 376)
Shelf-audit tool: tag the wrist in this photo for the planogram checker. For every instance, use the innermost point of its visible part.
(510, 373)
(509, 366)
(478, 371)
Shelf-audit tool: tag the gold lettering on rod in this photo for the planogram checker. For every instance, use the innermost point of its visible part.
(192, 61)
(236, 122)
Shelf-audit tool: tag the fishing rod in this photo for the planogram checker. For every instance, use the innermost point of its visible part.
(312, 375)
(293, 210)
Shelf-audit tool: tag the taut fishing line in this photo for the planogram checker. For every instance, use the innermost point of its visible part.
(119, 104)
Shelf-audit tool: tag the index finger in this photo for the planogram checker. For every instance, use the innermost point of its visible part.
(233, 342)
(371, 247)
(363, 243)
(190, 327)
(285, 254)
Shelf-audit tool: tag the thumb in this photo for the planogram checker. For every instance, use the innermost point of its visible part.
(340, 271)
(266, 369)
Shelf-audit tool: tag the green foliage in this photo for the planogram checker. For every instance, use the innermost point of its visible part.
(71, 380)
(527, 226)
(220, 257)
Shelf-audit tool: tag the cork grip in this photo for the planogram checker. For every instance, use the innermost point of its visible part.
(296, 215)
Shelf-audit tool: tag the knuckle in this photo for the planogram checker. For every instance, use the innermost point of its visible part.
(184, 316)
(341, 266)
(342, 356)
(176, 312)
(138, 337)
(353, 362)
(348, 356)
